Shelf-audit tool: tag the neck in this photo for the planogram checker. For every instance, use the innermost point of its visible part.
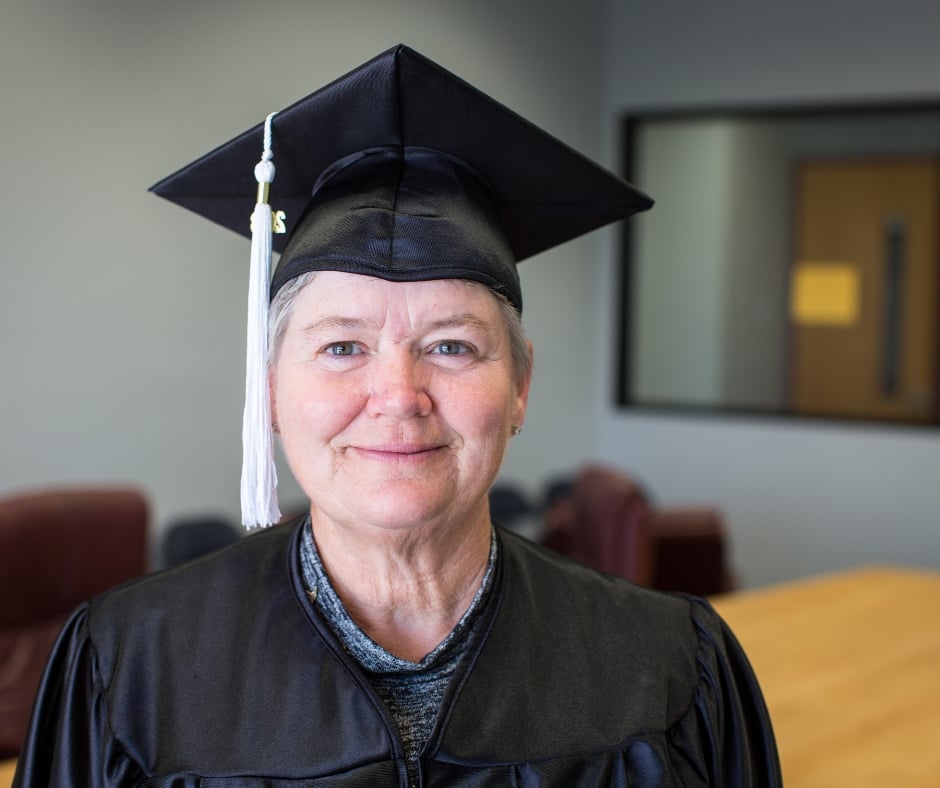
(405, 589)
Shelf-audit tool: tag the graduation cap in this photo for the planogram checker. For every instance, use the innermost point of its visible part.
(399, 170)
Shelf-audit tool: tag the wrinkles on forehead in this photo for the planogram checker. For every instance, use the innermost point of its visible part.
(459, 321)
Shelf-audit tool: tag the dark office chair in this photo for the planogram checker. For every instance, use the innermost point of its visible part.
(192, 537)
(509, 506)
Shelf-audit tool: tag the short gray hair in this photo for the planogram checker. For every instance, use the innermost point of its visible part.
(280, 310)
(282, 307)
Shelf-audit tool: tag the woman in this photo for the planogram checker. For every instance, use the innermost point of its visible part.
(393, 636)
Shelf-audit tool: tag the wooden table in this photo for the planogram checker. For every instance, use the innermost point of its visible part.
(850, 668)
(6, 773)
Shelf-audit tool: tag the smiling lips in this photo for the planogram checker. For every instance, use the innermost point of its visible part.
(398, 452)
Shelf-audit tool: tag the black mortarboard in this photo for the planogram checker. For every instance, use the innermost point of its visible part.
(398, 170)
(402, 170)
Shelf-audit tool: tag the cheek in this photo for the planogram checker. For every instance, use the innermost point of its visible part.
(483, 411)
(310, 406)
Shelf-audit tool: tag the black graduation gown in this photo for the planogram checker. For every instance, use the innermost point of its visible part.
(221, 673)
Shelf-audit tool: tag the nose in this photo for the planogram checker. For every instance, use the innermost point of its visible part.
(398, 385)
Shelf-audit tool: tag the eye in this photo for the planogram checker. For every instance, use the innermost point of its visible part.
(451, 347)
(343, 349)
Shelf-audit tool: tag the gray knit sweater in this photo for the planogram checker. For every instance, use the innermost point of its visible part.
(412, 691)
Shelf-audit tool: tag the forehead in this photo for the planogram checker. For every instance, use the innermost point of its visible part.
(355, 296)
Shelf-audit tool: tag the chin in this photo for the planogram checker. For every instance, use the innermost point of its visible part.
(406, 517)
(402, 507)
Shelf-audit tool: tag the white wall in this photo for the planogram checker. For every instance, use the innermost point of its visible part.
(682, 355)
(122, 316)
(800, 497)
(755, 320)
(709, 282)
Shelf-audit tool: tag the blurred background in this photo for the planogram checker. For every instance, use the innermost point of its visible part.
(122, 318)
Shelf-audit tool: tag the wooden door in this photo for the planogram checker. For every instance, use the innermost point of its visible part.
(864, 289)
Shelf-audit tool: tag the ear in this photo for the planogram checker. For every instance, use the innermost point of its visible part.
(272, 388)
(522, 391)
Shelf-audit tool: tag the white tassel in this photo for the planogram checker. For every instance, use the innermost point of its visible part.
(259, 473)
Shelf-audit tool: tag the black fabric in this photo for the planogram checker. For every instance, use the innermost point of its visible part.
(492, 189)
(220, 673)
(403, 214)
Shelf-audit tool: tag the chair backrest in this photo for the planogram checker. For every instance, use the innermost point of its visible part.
(192, 537)
(606, 520)
(603, 523)
(509, 505)
(57, 549)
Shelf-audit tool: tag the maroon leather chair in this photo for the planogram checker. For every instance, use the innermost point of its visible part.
(607, 521)
(603, 522)
(57, 549)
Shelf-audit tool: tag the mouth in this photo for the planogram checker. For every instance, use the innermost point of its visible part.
(399, 453)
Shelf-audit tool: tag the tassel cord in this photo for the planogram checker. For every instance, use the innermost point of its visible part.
(259, 473)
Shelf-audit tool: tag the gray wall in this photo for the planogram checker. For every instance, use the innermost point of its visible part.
(122, 317)
(800, 497)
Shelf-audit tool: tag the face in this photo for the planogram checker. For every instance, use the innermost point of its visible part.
(395, 401)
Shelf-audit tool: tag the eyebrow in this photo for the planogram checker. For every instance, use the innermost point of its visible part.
(334, 322)
(463, 321)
